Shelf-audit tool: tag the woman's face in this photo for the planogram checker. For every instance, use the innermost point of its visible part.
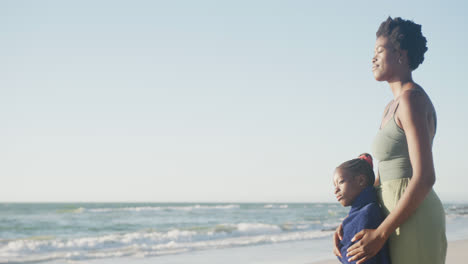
(347, 187)
(385, 61)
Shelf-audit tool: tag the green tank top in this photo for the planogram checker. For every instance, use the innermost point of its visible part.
(391, 150)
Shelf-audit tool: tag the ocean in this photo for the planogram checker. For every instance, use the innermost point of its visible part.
(38, 232)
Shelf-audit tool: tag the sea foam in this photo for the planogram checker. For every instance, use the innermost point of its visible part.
(146, 244)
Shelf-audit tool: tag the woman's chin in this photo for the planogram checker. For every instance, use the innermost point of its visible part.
(379, 77)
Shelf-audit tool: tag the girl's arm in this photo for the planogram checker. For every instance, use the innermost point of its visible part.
(377, 179)
(413, 111)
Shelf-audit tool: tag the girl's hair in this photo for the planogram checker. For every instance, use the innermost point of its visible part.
(405, 35)
(360, 166)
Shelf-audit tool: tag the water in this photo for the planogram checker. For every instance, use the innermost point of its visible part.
(84, 231)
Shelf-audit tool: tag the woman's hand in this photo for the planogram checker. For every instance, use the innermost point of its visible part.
(369, 244)
(337, 237)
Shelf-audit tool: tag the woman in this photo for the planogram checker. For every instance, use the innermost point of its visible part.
(415, 222)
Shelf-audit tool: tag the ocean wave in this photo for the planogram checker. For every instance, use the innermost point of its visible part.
(272, 206)
(452, 216)
(256, 228)
(33, 245)
(72, 210)
(143, 244)
(164, 208)
(457, 210)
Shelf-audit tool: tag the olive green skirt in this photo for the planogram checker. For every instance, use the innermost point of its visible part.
(421, 238)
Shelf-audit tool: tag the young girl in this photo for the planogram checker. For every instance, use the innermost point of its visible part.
(354, 180)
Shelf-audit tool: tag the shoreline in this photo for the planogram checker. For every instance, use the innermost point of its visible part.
(281, 253)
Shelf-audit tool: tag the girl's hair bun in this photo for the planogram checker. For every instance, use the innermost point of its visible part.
(367, 158)
(361, 165)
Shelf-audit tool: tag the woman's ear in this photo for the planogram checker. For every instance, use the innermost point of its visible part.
(403, 56)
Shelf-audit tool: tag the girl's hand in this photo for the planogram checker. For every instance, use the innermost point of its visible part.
(369, 244)
(337, 237)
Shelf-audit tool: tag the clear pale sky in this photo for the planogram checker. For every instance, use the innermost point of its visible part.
(215, 101)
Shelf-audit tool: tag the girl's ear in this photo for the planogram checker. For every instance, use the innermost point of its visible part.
(362, 180)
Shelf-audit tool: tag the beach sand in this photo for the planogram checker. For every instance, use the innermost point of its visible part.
(457, 253)
(281, 253)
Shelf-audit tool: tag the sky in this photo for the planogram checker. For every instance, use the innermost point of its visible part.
(210, 101)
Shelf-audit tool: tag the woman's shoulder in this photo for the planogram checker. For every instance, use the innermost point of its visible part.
(414, 108)
(414, 100)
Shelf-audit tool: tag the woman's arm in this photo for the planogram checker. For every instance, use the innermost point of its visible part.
(412, 114)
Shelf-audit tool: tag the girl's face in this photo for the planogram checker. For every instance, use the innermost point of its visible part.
(347, 187)
(385, 61)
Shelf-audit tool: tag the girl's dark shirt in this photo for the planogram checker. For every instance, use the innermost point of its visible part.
(365, 213)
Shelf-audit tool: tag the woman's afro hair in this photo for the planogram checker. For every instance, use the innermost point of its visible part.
(405, 35)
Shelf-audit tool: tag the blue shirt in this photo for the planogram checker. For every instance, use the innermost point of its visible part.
(365, 213)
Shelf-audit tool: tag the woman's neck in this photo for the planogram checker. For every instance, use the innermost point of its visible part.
(400, 84)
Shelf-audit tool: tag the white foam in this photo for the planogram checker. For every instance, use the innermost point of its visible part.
(271, 206)
(170, 247)
(148, 243)
(257, 228)
(169, 208)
